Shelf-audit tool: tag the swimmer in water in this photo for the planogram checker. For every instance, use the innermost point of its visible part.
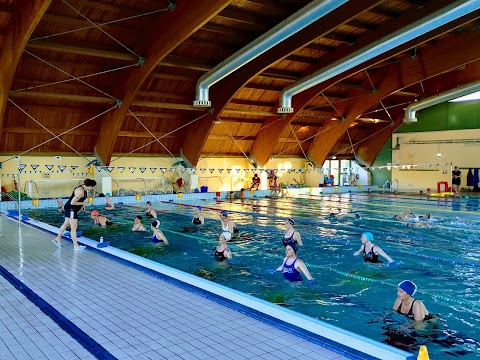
(109, 203)
(419, 224)
(292, 267)
(371, 251)
(198, 219)
(291, 236)
(158, 236)
(228, 225)
(406, 305)
(406, 216)
(137, 225)
(340, 216)
(222, 252)
(150, 212)
(100, 219)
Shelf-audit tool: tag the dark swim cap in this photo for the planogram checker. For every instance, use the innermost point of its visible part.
(224, 213)
(292, 222)
(156, 224)
(409, 287)
(199, 208)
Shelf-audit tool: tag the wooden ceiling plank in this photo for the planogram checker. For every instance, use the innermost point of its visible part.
(22, 23)
(432, 61)
(171, 30)
(263, 147)
(66, 97)
(223, 91)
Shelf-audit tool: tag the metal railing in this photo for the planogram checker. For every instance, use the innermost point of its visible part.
(10, 198)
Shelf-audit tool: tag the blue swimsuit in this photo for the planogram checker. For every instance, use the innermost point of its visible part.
(155, 240)
(290, 273)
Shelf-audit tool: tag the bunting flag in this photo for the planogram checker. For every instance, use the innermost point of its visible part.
(211, 170)
(237, 170)
(203, 170)
(289, 171)
(296, 170)
(73, 167)
(91, 170)
(49, 167)
(229, 171)
(261, 171)
(183, 170)
(61, 167)
(302, 170)
(173, 170)
(220, 170)
(34, 166)
(153, 170)
(21, 167)
(132, 169)
(99, 168)
(276, 170)
(142, 169)
(246, 171)
(110, 168)
(121, 168)
(193, 170)
(163, 170)
(309, 170)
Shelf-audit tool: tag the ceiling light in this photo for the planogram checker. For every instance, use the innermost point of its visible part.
(439, 154)
(469, 97)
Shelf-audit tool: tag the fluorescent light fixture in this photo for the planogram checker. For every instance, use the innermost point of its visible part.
(439, 154)
(469, 97)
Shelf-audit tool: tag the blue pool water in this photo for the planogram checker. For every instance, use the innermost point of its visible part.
(444, 262)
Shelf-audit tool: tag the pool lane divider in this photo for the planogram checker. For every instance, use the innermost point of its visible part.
(69, 327)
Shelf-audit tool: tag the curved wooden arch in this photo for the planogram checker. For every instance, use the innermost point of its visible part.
(432, 61)
(24, 20)
(171, 29)
(266, 140)
(222, 92)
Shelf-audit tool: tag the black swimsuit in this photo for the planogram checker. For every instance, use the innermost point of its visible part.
(196, 221)
(410, 312)
(71, 211)
(289, 241)
(148, 215)
(219, 255)
(371, 256)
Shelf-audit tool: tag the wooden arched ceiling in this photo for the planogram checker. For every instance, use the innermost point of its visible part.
(119, 77)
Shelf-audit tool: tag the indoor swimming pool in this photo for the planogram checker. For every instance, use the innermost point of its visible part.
(443, 261)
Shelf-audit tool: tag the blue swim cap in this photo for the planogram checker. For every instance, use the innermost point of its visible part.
(224, 213)
(409, 287)
(368, 236)
(108, 194)
(292, 222)
(199, 208)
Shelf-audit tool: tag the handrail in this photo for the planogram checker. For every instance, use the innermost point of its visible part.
(392, 184)
(11, 198)
(389, 183)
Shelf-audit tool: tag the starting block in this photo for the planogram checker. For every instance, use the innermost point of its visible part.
(103, 244)
(67, 234)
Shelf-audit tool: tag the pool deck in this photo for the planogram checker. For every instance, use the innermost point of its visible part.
(64, 304)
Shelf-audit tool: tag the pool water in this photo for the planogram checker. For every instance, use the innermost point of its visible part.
(444, 262)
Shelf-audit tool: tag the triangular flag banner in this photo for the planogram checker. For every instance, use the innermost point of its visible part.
(142, 169)
(99, 168)
(163, 170)
(316, 169)
(34, 166)
(289, 171)
(296, 170)
(121, 168)
(220, 170)
(72, 166)
(110, 168)
(229, 171)
(173, 170)
(153, 170)
(237, 170)
(309, 171)
(61, 167)
(49, 167)
(261, 171)
(132, 169)
(21, 167)
(302, 170)
(203, 170)
(183, 170)
(246, 170)
(193, 170)
(211, 170)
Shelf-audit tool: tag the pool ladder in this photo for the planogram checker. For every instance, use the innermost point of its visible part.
(10, 198)
(390, 185)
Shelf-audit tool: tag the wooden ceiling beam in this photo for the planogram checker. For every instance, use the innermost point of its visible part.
(78, 50)
(264, 145)
(223, 91)
(25, 130)
(185, 63)
(246, 17)
(432, 61)
(65, 97)
(253, 103)
(164, 105)
(237, 120)
(249, 112)
(161, 115)
(22, 23)
(173, 77)
(169, 31)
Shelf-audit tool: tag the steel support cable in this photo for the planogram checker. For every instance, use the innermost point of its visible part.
(152, 134)
(298, 141)
(168, 8)
(161, 137)
(65, 132)
(103, 31)
(236, 143)
(243, 137)
(73, 77)
(374, 91)
(333, 106)
(351, 144)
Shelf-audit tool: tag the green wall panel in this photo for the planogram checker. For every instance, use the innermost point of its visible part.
(379, 176)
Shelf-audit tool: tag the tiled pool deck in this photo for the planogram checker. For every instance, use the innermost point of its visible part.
(61, 304)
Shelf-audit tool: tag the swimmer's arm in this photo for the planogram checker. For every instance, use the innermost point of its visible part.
(300, 266)
(280, 268)
(228, 253)
(202, 220)
(153, 213)
(419, 311)
(356, 253)
(231, 225)
(383, 253)
(298, 238)
(160, 234)
(396, 305)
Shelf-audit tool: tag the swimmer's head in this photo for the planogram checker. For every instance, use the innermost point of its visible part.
(226, 235)
(428, 216)
(293, 246)
(199, 208)
(357, 216)
(368, 236)
(331, 215)
(108, 194)
(148, 203)
(224, 213)
(397, 217)
(155, 224)
(138, 217)
(410, 225)
(409, 287)
(290, 221)
(94, 213)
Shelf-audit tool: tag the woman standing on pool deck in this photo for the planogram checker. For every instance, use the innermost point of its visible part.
(407, 305)
(292, 266)
(291, 236)
(73, 205)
